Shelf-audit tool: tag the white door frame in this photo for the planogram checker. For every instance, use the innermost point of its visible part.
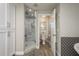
(38, 27)
(53, 32)
(38, 39)
(57, 33)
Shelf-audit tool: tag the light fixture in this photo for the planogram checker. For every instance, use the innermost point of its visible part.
(43, 16)
(42, 26)
(30, 10)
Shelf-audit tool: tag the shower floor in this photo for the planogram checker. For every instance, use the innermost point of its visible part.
(44, 50)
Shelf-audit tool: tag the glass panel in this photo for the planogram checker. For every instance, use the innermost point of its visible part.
(30, 33)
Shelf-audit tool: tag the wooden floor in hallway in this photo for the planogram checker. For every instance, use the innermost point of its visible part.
(44, 50)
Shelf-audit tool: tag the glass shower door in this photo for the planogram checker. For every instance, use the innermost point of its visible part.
(30, 41)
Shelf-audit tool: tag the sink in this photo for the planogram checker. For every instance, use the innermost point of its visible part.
(76, 47)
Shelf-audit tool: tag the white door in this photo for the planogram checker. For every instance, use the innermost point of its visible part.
(6, 30)
(11, 29)
(3, 30)
(53, 32)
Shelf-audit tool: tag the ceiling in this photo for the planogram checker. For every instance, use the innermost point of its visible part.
(41, 6)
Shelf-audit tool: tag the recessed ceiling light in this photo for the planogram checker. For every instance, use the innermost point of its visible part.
(43, 16)
(30, 10)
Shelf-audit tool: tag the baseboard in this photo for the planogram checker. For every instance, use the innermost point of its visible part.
(19, 53)
(11, 54)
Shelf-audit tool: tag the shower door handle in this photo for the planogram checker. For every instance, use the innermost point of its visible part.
(25, 35)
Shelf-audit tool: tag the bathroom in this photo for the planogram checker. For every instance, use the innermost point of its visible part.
(42, 39)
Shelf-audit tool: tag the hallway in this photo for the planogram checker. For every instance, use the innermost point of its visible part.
(44, 50)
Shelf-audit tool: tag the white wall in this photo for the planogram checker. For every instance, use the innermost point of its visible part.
(69, 20)
(19, 29)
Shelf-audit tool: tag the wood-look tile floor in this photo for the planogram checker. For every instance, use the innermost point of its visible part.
(44, 50)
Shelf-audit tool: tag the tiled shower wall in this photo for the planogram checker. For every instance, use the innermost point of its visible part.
(67, 46)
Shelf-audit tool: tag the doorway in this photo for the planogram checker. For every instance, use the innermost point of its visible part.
(40, 34)
(47, 32)
(45, 35)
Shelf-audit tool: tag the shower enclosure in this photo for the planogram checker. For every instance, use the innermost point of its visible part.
(30, 40)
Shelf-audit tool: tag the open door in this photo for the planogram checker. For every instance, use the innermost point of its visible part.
(53, 32)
